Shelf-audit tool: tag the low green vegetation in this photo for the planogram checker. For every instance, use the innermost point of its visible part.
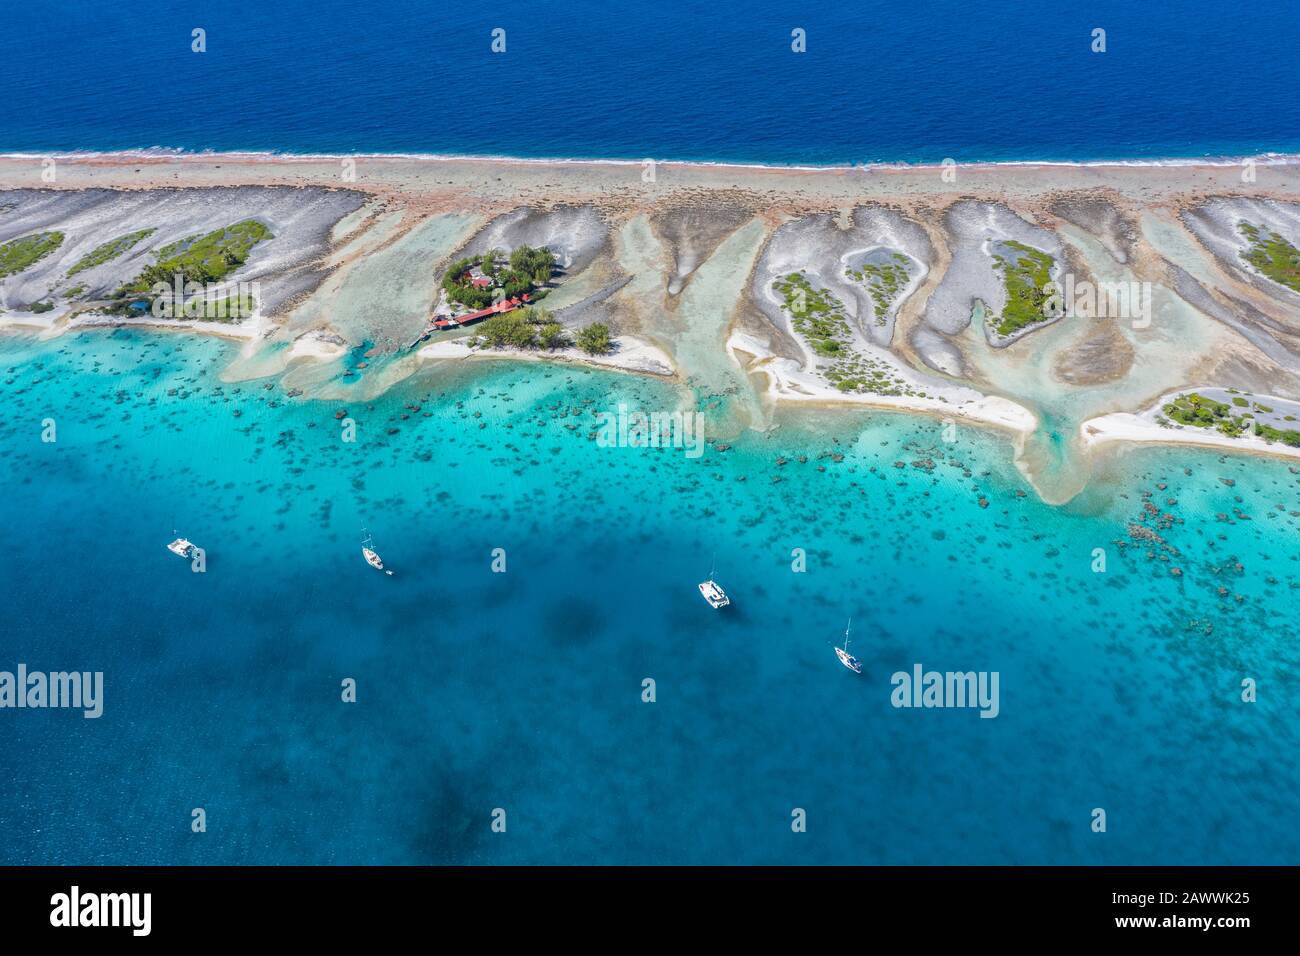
(884, 281)
(551, 335)
(25, 251)
(38, 308)
(522, 329)
(535, 263)
(1198, 411)
(200, 258)
(1201, 412)
(203, 259)
(109, 250)
(1272, 255)
(866, 375)
(508, 330)
(472, 281)
(230, 308)
(818, 317)
(74, 292)
(594, 339)
(1289, 436)
(1024, 273)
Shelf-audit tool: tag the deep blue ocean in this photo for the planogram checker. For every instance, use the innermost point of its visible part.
(880, 82)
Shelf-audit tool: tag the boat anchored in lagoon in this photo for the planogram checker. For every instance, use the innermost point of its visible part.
(712, 591)
(182, 547)
(847, 659)
(371, 555)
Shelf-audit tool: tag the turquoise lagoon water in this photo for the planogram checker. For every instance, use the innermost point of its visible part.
(522, 690)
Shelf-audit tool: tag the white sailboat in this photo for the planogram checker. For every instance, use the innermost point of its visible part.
(370, 554)
(847, 659)
(712, 590)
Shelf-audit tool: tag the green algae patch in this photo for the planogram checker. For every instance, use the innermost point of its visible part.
(1026, 272)
(885, 281)
(201, 258)
(818, 317)
(1198, 411)
(109, 250)
(230, 308)
(25, 251)
(1272, 255)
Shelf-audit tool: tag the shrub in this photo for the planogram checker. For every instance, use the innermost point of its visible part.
(552, 336)
(594, 339)
(508, 329)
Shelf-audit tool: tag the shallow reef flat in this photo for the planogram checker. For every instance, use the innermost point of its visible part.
(909, 288)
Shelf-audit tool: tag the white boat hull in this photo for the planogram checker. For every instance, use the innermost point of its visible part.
(713, 593)
(181, 547)
(848, 660)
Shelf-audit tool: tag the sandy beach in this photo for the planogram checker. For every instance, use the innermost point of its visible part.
(1152, 425)
(628, 355)
(1121, 427)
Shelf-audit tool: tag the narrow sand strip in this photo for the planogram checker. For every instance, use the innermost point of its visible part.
(788, 382)
(629, 355)
(1127, 427)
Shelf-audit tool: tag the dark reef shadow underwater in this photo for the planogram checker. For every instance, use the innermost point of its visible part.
(523, 690)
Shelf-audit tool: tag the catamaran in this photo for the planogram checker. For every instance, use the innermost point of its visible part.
(370, 554)
(712, 590)
(182, 547)
(847, 659)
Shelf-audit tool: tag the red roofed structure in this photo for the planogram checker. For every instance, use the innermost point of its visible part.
(505, 305)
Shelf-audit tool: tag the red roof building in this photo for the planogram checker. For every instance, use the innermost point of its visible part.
(505, 305)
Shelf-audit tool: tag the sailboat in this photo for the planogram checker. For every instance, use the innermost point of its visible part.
(370, 554)
(847, 659)
(712, 590)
